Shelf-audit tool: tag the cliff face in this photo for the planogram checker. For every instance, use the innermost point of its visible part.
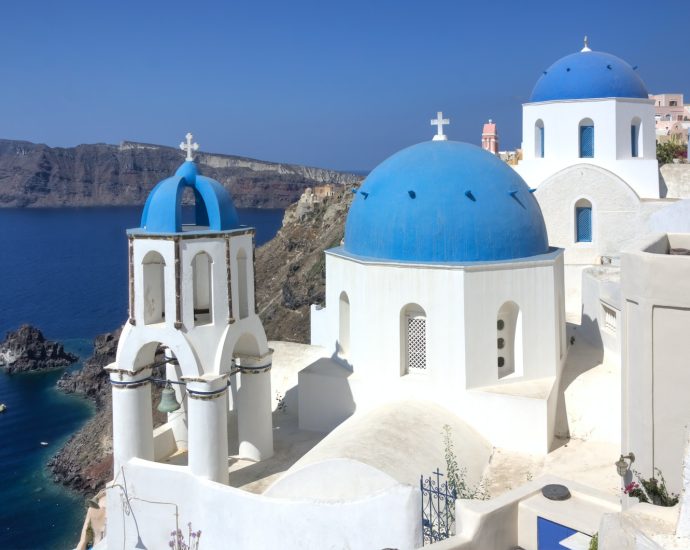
(26, 349)
(35, 175)
(85, 462)
(290, 272)
(290, 269)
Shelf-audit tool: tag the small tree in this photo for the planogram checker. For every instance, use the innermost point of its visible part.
(668, 150)
(456, 475)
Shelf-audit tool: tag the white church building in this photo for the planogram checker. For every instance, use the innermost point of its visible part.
(445, 284)
(589, 151)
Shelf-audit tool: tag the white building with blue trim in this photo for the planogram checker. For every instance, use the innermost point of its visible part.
(445, 284)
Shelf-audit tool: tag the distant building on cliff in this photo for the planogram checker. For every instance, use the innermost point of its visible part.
(490, 137)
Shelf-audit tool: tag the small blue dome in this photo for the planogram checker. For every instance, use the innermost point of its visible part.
(445, 201)
(588, 75)
(163, 209)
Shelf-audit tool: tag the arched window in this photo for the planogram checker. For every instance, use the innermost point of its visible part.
(539, 139)
(202, 268)
(509, 357)
(586, 138)
(413, 339)
(154, 288)
(635, 138)
(344, 324)
(242, 286)
(583, 221)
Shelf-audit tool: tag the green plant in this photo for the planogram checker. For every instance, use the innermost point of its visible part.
(652, 490)
(669, 150)
(594, 543)
(456, 475)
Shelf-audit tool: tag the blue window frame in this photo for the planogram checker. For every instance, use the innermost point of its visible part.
(550, 534)
(586, 141)
(634, 135)
(583, 224)
(541, 142)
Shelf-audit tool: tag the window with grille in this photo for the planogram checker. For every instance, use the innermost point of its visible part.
(416, 343)
(610, 318)
(586, 141)
(583, 224)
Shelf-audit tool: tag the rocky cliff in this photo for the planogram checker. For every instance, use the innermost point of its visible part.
(26, 349)
(290, 276)
(35, 175)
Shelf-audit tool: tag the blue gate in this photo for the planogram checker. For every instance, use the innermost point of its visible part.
(438, 508)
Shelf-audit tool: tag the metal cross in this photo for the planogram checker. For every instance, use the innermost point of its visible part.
(439, 122)
(586, 48)
(189, 146)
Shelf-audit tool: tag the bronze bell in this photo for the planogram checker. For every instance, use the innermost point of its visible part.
(168, 402)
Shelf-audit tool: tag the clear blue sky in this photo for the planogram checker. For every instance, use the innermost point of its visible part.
(325, 83)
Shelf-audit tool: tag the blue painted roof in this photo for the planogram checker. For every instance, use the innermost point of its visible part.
(587, 75)
(444, 201)
(163, 208)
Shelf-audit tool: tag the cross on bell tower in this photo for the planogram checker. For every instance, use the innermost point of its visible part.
(189, 146)
(440, 122)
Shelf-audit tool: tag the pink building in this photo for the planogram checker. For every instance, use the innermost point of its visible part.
(669, 106)
(490, 137)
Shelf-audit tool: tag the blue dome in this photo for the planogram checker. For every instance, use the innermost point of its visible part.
(163, 209)
(445, 201)
(586, 75)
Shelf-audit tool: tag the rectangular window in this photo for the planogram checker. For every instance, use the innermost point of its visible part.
(634, 134)
(586, 141)
(583, 215)
(541, 142)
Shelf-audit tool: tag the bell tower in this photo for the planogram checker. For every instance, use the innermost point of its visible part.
(193, 326)
(490, 137)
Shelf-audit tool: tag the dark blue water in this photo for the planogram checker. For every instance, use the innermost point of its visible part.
(65, 271)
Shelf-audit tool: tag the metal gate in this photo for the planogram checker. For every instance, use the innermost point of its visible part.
(438, 508)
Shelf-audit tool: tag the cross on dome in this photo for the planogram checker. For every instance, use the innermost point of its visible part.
(586, 48)
(189, 146)
(440, 122)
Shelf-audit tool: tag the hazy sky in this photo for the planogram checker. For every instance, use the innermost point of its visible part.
(325, 83)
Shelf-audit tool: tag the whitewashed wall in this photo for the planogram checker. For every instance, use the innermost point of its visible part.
(656, 411)
(612, 119)
(461, 303)
(232, 518)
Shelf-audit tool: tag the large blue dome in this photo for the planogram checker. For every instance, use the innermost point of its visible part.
(587, 75)
(444, 201)
(214, 210)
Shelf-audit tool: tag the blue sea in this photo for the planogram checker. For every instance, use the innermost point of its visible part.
(64, 271)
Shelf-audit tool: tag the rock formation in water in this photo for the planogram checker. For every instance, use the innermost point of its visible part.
(26, 349)
(290, 276)
(35, 175)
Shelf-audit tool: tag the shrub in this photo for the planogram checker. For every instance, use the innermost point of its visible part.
(669, 150)
(652, 490)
